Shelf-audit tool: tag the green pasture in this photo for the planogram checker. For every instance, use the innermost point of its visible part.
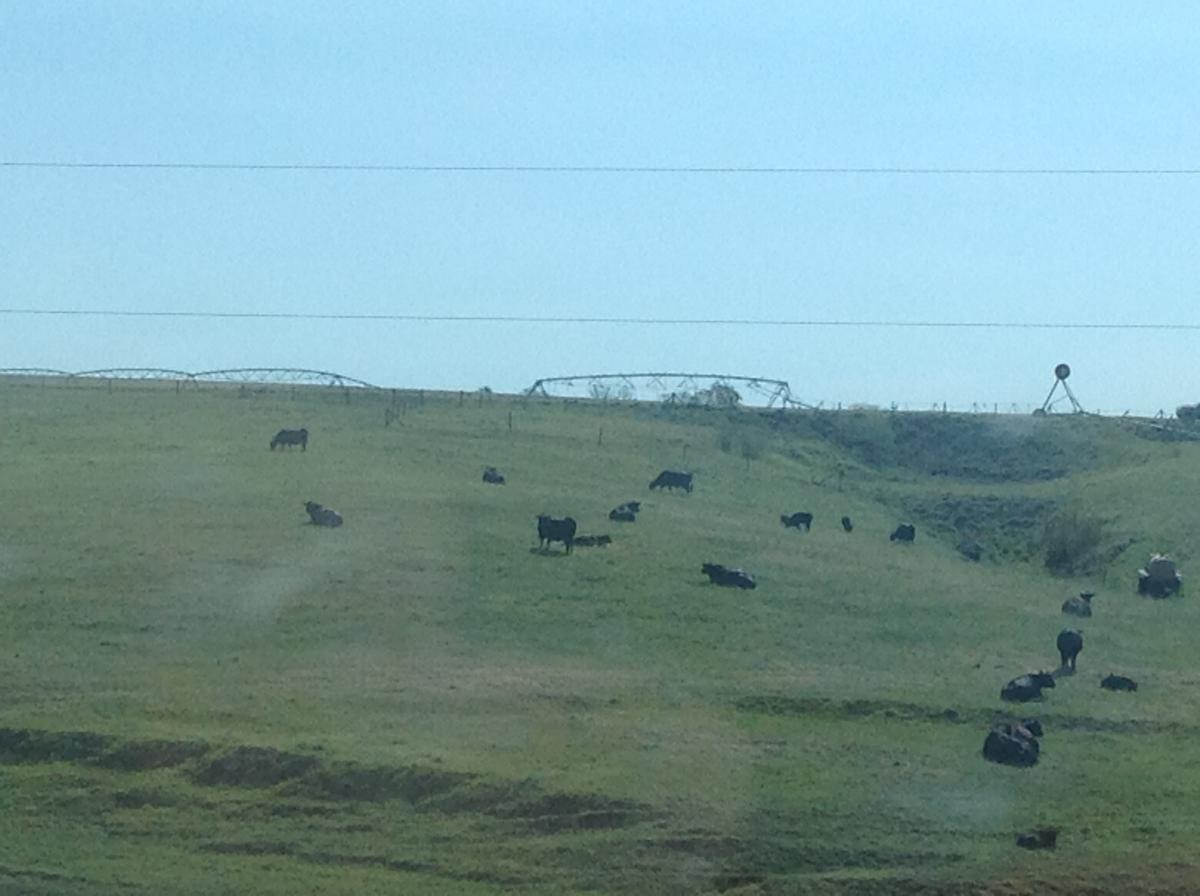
(204, 694)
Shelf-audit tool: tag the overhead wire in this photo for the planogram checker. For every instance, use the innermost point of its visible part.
(592, 321)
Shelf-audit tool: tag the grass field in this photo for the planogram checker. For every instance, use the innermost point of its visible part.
(203, 694)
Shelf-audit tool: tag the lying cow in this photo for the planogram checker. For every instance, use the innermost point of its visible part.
(1070, 645)
(492, 476)
(1027, 687)
(1011, 743)
(1118, 683)
(288, 437)
(905, 532)
(592, 541)
(631, 506)
(622, 515)
(672, 480)
(730, 578)
(1079, 606)
(551, 530)
(796, 520)
(1042, 838)
(322, 516)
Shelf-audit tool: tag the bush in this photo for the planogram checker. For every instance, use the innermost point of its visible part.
(1072, 540)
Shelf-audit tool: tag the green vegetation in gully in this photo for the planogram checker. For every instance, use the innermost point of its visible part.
(203, 694)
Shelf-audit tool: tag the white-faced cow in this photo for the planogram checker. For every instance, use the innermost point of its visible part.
(796, 520)
(322, 516)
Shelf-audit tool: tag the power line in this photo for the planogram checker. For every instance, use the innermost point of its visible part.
(934, 171)
(638, 321)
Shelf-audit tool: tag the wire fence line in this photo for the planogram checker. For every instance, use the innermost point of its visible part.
(267, 380)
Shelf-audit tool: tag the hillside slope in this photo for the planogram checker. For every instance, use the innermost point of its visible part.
(423, 700)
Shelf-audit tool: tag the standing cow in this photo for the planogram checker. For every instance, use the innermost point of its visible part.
(672, 479)
(551, 530)
(1070, 645)
(847, 525)
(287, 437)
(796, 520)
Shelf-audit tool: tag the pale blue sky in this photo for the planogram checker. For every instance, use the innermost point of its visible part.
(956, 84)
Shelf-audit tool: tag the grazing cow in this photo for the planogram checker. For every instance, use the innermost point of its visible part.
(672, 480)
(1024, 688)
(1079, 606)
(847, 525)
(288, 437)
(322, 516)
(1042, 838)
(904, 532)
(551, 530)
(592, 541)
(621, 515)
(729, 577)
(1118, 683)
(492, 476)
(796, 520)
(1070, 645)
(1010, 743)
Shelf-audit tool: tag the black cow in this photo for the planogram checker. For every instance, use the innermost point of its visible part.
(1011, 743)
(551, 530)
(730, 578)
(1024, 688)
(1079, 606)
(904, 532)
(492, 476)
(1118, 683)
(592, 541)
(1070, 645)
(287, 437)
(1042, 838)
(847, 525)
(621, 515)
(672, 480)
(796, 520)
(322, 516)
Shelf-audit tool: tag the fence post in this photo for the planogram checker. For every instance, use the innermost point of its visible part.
(600, 436)
(510, 421)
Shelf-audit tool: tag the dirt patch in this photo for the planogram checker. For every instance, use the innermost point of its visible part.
(275, 848)
(145, 755)
(344, 781)
(743, 860)
(50, 746)
(478, 797)
(555, 813)
(254, 767)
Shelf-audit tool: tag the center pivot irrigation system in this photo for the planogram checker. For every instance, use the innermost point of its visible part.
(279, 375)
(672, 387)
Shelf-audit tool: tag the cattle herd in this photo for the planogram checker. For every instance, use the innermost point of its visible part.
(1008, 742)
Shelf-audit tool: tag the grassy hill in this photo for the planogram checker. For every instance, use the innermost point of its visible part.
(202, 694)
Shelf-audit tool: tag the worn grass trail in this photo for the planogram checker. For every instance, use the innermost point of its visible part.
(421, 701)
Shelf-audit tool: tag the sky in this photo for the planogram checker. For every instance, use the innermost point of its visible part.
(689, 84)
